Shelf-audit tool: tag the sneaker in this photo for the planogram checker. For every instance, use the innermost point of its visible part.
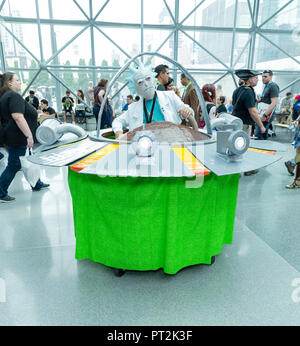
(39, 187)
(7, 199)
(295, 184)
(251, 172)
(289, 167)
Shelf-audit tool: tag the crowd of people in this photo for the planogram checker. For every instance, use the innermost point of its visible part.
(19, 116)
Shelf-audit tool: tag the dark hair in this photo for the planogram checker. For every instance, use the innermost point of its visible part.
(184, 76)
(222, 99)
(288, 93)
(170, 80)
(4, 79)
(102, 82)
(130, 97)
(160, 69)
(31, 92)
(44, 101)
(268, 71)
(137, 98)
(209, 93)
(68, 92)
(81, 94)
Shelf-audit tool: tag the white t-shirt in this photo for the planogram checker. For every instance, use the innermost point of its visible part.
(212, 112)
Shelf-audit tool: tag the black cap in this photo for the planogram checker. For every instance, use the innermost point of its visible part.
(245, 74)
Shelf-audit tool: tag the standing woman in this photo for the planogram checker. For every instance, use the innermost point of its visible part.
(99, 93)
(19, 120)
(209, 95)
(80, 111)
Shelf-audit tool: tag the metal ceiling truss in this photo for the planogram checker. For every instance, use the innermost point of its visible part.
(51, 64)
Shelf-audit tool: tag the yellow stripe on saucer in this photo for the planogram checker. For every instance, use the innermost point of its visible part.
(263, 151)
(190, 161)
(98, 155)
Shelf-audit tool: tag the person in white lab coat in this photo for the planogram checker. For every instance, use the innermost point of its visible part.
(153, 106)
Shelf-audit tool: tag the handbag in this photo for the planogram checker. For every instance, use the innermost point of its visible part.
(31, 171)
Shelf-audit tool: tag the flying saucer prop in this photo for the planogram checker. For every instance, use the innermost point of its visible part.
(232, 141)
(51, 130)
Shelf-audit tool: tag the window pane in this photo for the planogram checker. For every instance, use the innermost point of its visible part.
(157, 14)
(44, 9)
(269, 56)
(121, 12)
(126, 39)
(78, 49)
(66, 9)
(216, 44)
(80, 46)
(13, 50)
(97, 6)
(47, 47)
(218, 13)
(284, 80)
(288, 18)
(160, 41)
(241, 51)
(85, 5)
(17, 8)
(243, 19)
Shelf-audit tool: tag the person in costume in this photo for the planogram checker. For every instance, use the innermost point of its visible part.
(244, 101)
(153, 106)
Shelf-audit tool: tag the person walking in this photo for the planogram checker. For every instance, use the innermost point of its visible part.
(244, 101)
(19, 121)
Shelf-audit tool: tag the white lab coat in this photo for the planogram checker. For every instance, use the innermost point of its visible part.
(169, 104)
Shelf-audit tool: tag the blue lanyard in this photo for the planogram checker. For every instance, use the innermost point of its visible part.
(265, 88)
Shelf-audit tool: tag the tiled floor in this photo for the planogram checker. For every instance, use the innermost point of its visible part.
(253, 281)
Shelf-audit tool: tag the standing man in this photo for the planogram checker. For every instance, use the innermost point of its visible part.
(33, 100)
(243, 102)
(162, 76)
(267, 103)
(189, 96)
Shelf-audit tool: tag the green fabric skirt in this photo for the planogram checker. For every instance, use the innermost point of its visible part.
(151, 223)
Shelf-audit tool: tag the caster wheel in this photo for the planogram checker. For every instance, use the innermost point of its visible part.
(213, 259)
(119, 272)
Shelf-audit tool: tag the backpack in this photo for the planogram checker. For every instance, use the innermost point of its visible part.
(296, 109)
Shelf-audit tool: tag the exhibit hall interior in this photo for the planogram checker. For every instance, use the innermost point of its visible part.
(149, 163)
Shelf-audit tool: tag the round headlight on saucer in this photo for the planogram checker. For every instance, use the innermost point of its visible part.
(238, 143)
(144, 143)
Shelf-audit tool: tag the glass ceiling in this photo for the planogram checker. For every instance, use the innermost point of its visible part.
(56, 45)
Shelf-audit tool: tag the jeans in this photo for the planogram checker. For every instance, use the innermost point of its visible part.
(260, 135)
(79, 114)
(105, 119)
(13, 166)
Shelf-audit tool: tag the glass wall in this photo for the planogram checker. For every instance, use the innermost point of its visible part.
(56, 45)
